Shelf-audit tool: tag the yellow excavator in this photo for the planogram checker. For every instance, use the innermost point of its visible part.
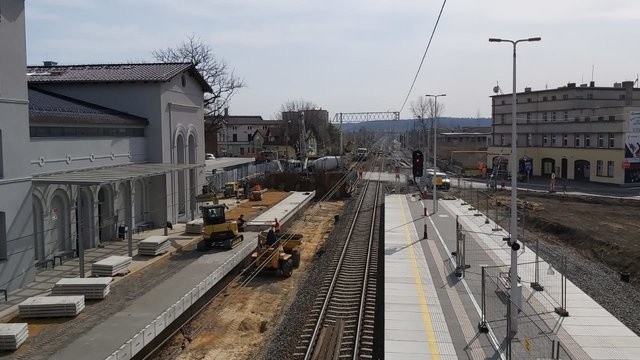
(217, 230)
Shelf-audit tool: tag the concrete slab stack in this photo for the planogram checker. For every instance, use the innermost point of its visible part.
(13, 335)
(111, 266)
(51, 306)
(194, 226)
(154, 245)
(90, 288)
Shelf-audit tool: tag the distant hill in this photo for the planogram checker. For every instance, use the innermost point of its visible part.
(408, 124)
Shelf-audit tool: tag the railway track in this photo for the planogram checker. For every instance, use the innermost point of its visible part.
(341, 322)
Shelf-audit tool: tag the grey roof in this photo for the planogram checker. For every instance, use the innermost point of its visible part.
(226, 162)
(90, 73)
(46, 107)
(111, 174)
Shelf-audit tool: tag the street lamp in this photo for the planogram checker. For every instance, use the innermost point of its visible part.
(435, 159)
(516, 290)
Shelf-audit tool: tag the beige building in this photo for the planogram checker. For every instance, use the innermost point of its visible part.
(581, 132)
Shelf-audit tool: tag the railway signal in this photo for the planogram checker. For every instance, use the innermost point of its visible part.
(418, 163)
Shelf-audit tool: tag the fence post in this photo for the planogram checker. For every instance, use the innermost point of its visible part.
(486, 220)
(562, 309)
(482, 326)
(535, 285)
(508, 335)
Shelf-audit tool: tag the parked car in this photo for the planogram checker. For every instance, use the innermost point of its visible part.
(446, 181)
(209, 156)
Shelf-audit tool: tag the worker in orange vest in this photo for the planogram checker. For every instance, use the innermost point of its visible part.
(276, 226)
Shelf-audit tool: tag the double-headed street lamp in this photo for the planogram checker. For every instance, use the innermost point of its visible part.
(516, 290)
(435, 136)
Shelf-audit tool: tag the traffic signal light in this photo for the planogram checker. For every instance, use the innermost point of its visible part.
(418, 163)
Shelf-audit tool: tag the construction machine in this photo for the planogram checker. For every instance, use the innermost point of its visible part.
(217, 230)
(282, 257)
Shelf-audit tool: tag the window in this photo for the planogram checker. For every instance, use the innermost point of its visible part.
(599, 167)
(249, 137)
(553, 139)
(577, 141)
(234, 127)
(502, 118)
(529, 140)
(612, 142)
(235, 137)
(544, 116)
(612, 118)
(587, 141)
(576, 119)
(545, 140)
(600, 140)
(553, 116)
(565, 97)
(589, 96)
(621, 97)
(565, 140)
(587, 119)
(528, 117)
(553, 97)
(600, 118)
(544, 98)
(241, 150)
(1, 167)
(502, 102)
(3, 236)
(183, 79)
(249, 127)
(528, 99)
(610, 168)
(501, 139)
(566, 116)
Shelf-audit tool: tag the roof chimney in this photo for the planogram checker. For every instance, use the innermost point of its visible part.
(226, 112)
(49, 63)
(592, 84)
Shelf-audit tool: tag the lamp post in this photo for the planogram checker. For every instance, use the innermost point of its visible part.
(516, 290)
(435, 159)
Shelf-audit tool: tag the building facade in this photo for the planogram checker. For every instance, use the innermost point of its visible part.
(16, 230)
(580, 132)
(235, 139)
(87, 150)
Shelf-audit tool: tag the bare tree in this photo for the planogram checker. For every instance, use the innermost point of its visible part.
(296, 105)
(424, 109)
(215, 71)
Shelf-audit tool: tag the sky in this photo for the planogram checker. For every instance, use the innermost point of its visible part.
(355, 55)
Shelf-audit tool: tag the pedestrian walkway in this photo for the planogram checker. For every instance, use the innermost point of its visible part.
(70, 267)
(427, 292)
(415, 325)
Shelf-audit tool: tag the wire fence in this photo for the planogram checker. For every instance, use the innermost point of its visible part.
(521, 331)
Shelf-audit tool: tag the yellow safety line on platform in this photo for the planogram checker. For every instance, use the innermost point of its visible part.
(426, 316)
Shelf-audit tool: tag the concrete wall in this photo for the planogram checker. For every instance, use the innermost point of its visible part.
(16, 268)
(56, 152)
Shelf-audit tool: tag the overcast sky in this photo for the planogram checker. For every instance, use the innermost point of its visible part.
(355, 55)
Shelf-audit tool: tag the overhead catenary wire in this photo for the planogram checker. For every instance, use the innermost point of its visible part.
(424, 55)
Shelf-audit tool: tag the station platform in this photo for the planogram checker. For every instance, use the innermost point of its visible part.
(130, 321)
(284, 211)
(431, 311)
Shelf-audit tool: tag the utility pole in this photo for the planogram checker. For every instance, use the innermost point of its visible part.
(435, 137)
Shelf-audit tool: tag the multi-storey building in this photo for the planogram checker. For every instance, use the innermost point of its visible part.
(235, 138)
(580, 132)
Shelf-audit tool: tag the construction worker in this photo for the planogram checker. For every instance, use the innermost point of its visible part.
(271, 238)
(276, 226)
(240, 221)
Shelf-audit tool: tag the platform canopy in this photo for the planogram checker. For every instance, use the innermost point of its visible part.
(111, 174)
